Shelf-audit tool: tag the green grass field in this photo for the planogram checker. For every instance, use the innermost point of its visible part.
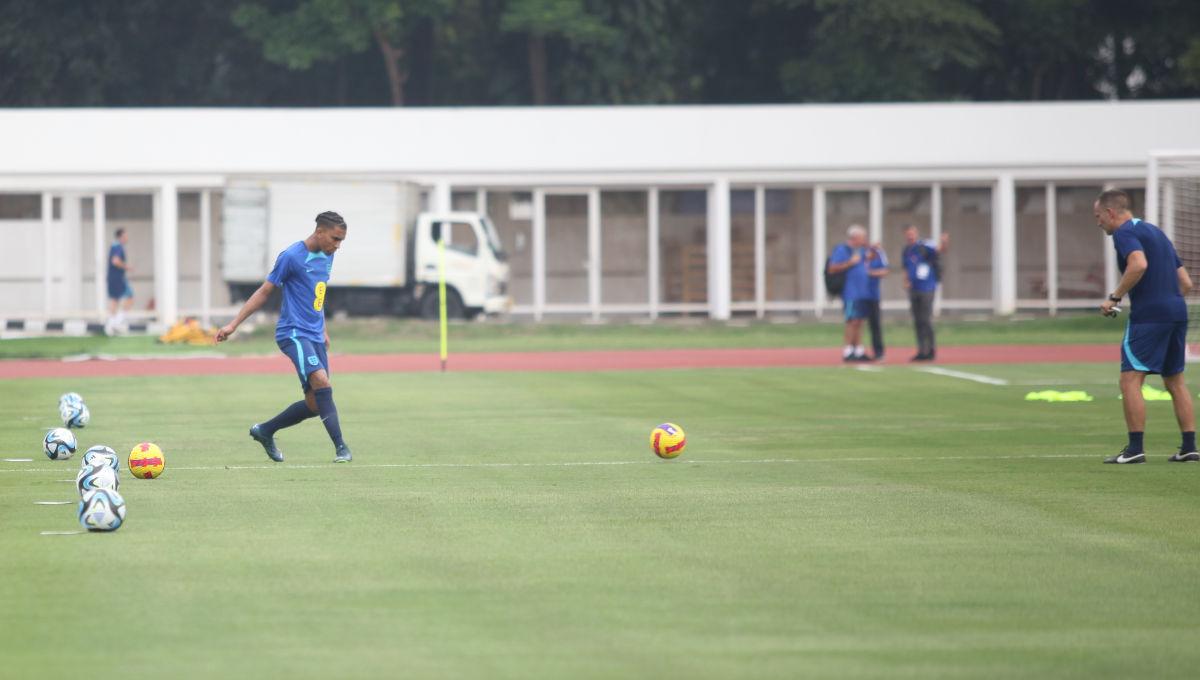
(358, 336)
(822, 523)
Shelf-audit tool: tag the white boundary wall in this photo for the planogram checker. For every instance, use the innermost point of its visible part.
(70, 152)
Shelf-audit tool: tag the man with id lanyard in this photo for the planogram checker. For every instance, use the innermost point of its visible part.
(923, 272)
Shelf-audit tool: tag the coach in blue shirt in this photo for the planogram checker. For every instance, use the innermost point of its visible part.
(922, 274)
(851, 257)
(877, 268)
(1156, 335)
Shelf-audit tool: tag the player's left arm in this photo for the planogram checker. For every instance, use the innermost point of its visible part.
(1135, 267)
(879, 264)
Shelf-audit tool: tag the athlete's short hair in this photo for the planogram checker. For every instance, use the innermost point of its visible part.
(1116, 199)
(330, 219)
(856, 230)
(119, 233)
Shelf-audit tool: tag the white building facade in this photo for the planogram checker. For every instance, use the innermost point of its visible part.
(603, 211)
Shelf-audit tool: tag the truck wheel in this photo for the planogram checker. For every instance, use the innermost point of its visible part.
(454, 305)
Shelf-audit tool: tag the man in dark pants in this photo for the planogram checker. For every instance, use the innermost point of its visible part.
(921, 260)
(877, 268)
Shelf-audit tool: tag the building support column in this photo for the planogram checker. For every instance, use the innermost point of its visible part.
(71, 229)
(441, 198)
(652, 249)
(100, 235)
(719, 258)
(875, 210)
(594, 254)
(760, 251)
(1052, 247)
(818, 251)
(47, 250)
(1004, 246)
(935, 232)
(205, 258)
(166, 254)
(539, 254)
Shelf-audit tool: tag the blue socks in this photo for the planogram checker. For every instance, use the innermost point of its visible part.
(1189, 442)
(296, 413)
(329, 415)
(1135, 442)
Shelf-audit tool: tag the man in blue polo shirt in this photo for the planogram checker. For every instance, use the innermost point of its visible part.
(877, 268)
(922, 275)
(1156, 334)
(302, 271)
(851, 257)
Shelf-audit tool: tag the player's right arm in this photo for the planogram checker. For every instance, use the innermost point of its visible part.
(256, 301)
(843, 259)
(1185, 281)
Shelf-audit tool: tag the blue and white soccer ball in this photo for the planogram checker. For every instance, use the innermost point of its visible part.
(92, 477)
(59, 444)
(101, 455)
(102, 510)
(71, 398)
(75, 416)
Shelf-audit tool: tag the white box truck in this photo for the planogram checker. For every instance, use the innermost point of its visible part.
(389, 261)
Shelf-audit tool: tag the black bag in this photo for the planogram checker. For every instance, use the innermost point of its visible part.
(834, 283)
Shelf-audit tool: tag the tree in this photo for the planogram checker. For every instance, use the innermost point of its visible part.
(540, 20)
(881, 50)
(325, 30)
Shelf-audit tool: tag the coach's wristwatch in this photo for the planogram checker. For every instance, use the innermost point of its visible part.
(1114, 298)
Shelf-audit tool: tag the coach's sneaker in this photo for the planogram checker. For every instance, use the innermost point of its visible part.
(1124, 457)
(1182, 457)
(268, 443)
(343, 455)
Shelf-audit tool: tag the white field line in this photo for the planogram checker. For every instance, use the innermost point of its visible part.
(973, 377)
(54, 502)
(869, 369)
(63, 533)
(18, 460)
(608, 463)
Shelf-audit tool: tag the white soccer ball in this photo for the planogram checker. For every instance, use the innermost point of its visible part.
(100, 456)
(92, 477)
(78, 417)
(71, 398)
(59, 444)
(102, 510)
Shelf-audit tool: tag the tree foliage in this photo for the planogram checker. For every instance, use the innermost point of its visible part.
(517, 52)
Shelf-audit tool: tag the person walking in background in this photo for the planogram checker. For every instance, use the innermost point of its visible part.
(923, 272)
(850, 258)
(877, 268)
(120, 293)
(1156, 335)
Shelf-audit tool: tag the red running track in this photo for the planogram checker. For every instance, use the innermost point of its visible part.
(625, 360)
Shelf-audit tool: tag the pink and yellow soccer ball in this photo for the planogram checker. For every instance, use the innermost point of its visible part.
(146, 461)
(667, 440)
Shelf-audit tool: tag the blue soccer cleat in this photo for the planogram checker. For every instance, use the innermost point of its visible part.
(268, 443)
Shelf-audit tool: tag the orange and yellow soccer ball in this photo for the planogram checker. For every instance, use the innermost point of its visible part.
(667, 440)
(146, 461)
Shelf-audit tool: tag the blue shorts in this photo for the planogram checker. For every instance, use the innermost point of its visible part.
(119, 290)
(855, 309)
(307, 356)
(1155, 347)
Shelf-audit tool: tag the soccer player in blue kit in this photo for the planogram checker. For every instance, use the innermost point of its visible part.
(1156, 335)
(302, 271)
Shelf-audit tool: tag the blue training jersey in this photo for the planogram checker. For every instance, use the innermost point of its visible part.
(857, 287)
(918, 265)
(303, 277)
(116, 275)
(879, 262)
(1156, 297)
